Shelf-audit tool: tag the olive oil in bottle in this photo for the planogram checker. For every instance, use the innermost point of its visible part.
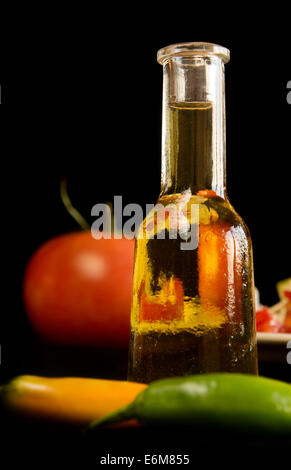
(193, 288)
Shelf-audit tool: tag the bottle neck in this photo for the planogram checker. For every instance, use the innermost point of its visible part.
(193, 130)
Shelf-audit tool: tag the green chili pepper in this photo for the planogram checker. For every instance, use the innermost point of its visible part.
(211, 401)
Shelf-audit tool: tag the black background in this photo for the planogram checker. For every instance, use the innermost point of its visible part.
(86, 105)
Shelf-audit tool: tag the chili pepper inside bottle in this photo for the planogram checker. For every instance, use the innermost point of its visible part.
(193, 288)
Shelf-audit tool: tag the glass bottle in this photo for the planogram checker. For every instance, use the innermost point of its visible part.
(193, 288)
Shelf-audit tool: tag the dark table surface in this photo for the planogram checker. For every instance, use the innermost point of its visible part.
(26, 441)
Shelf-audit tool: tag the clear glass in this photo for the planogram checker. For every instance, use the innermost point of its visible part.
(193, 301)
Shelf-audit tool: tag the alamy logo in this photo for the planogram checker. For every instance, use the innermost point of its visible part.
(179, 221)
(288, 97)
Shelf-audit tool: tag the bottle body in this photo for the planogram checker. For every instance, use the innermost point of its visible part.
(192, 310)
(193, 286)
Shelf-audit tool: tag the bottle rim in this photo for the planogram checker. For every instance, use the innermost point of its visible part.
(193, 49)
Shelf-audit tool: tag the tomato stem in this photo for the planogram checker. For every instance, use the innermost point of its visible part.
(70, 208)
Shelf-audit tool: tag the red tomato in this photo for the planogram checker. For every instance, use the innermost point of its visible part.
(266, 322)
(77, 290)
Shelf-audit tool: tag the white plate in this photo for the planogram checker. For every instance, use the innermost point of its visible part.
(274, 338)
(274, 347)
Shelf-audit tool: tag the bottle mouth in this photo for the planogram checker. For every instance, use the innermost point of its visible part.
(193, 49)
